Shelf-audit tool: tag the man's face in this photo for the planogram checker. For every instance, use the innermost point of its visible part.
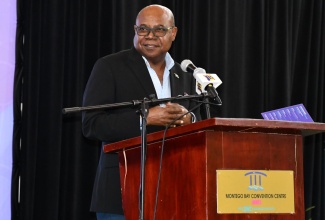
(152, 47)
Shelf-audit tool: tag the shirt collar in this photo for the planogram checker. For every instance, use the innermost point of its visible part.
(169, 61)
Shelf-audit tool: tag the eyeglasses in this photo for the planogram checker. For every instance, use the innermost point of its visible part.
(157, 31)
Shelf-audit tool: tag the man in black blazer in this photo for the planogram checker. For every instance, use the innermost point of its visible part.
(134, 74)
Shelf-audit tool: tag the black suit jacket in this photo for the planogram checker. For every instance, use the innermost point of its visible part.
(116, 78)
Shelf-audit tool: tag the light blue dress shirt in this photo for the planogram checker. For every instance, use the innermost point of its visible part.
(163, 90)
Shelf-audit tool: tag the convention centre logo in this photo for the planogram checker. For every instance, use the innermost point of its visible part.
(255, 180)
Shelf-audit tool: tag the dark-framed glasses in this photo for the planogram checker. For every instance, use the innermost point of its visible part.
(157, 31)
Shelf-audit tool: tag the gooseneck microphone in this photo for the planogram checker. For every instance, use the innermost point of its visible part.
(205, 82)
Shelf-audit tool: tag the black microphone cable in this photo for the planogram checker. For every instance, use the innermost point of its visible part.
(162, 152)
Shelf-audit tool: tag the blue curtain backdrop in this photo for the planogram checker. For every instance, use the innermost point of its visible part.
(268, 53)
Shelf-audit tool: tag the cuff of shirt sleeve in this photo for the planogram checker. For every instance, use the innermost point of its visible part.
(193, 117)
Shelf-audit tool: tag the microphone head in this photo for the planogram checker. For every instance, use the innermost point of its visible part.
(185, 64)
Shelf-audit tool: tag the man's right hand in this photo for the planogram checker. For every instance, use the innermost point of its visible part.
(163, 116)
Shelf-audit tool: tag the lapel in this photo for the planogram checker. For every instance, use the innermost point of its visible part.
(140, 71)
(176, 78)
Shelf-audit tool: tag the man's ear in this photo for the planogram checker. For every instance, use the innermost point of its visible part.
(174, 33)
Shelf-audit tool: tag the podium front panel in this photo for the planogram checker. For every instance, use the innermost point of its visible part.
(188, 176)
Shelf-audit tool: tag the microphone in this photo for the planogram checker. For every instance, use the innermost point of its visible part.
(205, 82)
(188, 66)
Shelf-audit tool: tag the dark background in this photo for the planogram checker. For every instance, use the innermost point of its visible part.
(268, 53)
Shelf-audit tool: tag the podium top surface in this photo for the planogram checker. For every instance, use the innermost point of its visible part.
(228, 125)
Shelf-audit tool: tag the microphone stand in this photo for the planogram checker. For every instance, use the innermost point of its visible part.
(207, 106)
(212, 93)
(144, 110)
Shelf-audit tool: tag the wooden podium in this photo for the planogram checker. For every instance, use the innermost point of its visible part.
(193, 153)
